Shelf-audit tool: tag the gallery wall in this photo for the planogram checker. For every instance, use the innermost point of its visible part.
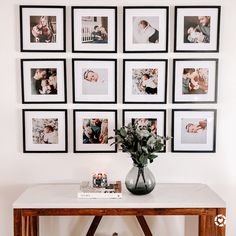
(20, 170)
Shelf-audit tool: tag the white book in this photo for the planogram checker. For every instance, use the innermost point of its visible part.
(112, 191)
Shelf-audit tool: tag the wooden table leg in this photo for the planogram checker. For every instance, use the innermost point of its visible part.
(94, 225)
(220, 230)
(17, 220)
(144, 225)
(207, 225)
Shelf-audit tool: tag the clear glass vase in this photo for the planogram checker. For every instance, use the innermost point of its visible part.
(140, 180)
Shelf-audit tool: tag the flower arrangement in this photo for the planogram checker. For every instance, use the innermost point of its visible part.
(140, 142)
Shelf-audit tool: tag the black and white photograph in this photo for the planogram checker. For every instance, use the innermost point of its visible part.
(144, 81)
(197, 28)
(195, 80)
(193, 130)
(92, 128)
(43, 80)
(44, 130)
(145, 29)
(42, 28)
(94, 80)
(94, 29)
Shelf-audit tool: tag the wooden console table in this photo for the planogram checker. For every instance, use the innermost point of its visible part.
(166, 199)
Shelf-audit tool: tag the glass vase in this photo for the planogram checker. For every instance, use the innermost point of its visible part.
(140, 180)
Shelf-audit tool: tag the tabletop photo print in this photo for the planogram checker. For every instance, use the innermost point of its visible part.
(92, 128)
(94, 80)
(145, 29)
(44, 131)
(42, 28)
(156, 119)
(197, 28)
(195, 80)
(94, 29)
(43, 80)
(144, 81)
(194, 130)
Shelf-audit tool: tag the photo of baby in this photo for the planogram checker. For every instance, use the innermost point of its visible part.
(43, 29)
(195, 80)
(193, 131)
(95, 131)
(43, 81)
(45, 131)
(145, 81)
(94, 81)
(145, 122)
(94, 29)
(197, 29)
(145, 29)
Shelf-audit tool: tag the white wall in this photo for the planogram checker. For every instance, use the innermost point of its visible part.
(18, 170)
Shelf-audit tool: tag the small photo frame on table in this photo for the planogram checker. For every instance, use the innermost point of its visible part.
(92, 128)
(156, 118)
(94, 29)
(145, 29)
(197, 28)
(195, 80)
(145, 81)
(43, 80)
(45, 131)
(42, 28)
(94, 80)
(194, 130)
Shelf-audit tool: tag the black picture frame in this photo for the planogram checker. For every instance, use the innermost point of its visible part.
(45, 131)
(103, 90)
(51, 70)
(195, 80)
(85, 41)
(154, 114)
(31, 19)
(159, 25)
(194, 130)
(141, 67)
(85, 135)
(197, 35)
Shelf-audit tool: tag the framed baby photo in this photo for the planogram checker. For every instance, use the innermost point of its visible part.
(156, 119)
(194, 130)
(43, 80)
(92, 128)
(195, 80)
(197, 28)
(145, 81)
(145, 29)
(44, 130)
(94, 81)
(94, 29)
(42, 28)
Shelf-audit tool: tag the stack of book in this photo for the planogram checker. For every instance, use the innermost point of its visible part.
(112, 191)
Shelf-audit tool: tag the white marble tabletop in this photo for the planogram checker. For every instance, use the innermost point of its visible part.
(165, 195)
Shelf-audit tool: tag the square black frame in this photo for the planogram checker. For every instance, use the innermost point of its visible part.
(215, 93)
(163, 101)
(214, 116)
(74, 60)
(149, 110)
(63, 28)
(25, 150)
(217, 38)
(75, 127)
(74, 49)
(165, 49)
(23, 82)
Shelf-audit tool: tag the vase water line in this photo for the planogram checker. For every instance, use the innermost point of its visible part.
(140, 180)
